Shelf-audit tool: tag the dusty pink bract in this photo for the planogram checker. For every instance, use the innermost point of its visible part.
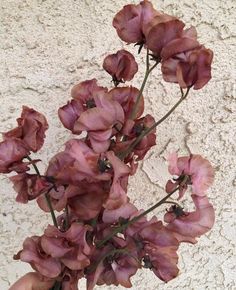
(97, 232)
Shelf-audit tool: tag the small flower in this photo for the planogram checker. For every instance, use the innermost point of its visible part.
(31, 129)
(121, 66)
(190, 225)
(84, 97)
(191, 170)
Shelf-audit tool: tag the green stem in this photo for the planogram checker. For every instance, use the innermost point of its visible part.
(56, 286)
(34, 165)
(47, 196)
(121, 228)
(147, 73)
(148, 130)
(67, 222)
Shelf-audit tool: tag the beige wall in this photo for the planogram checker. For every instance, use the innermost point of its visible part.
(47, 46)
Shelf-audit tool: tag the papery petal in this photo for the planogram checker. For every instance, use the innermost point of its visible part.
(69, 113)
(12, 151)
(192, 224)
(121, 65)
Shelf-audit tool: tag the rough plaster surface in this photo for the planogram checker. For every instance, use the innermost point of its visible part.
(48, 45)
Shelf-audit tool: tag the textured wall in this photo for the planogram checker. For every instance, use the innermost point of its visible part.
(48, 45)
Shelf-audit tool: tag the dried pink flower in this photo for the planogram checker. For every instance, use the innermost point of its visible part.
(130, 23)
(197, 171)
(121, 66)
(31, 129)
(189, 225)
(190, 68)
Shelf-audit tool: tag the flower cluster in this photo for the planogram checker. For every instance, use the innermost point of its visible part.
(98, 233)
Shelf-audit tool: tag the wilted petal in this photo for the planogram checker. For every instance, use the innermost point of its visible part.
(31, 129)
(33, 254)
(69, 113)
(28, 186)
(12, 151)
(126, 97)
(199, 171)
(121, 66)
(191, 225)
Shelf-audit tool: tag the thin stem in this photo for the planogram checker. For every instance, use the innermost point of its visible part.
(121, 228)
(34, 165)
(147, 73)
(148, 130)
(67, 222)
(56, 286)
(47, 196)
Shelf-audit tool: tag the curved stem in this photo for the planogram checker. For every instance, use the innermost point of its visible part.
(121, 228)
(147, 73)
(148, 130)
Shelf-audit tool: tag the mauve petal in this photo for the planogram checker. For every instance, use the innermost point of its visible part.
(126, 97)
(69, 113)
(127, 23)
(94, 119)
(168, 68)
(162, 33)
(121, 65)
(193, 224)
(204, 68)
(54, 247)
(177, 46)
(86, 90)
(125, 211)
(11, 151)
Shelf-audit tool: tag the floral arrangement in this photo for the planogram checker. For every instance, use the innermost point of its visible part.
(98, 234)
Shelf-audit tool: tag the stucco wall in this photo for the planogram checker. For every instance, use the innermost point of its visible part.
(47, 46)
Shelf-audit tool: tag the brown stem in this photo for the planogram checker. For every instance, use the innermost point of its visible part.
(147, 73)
